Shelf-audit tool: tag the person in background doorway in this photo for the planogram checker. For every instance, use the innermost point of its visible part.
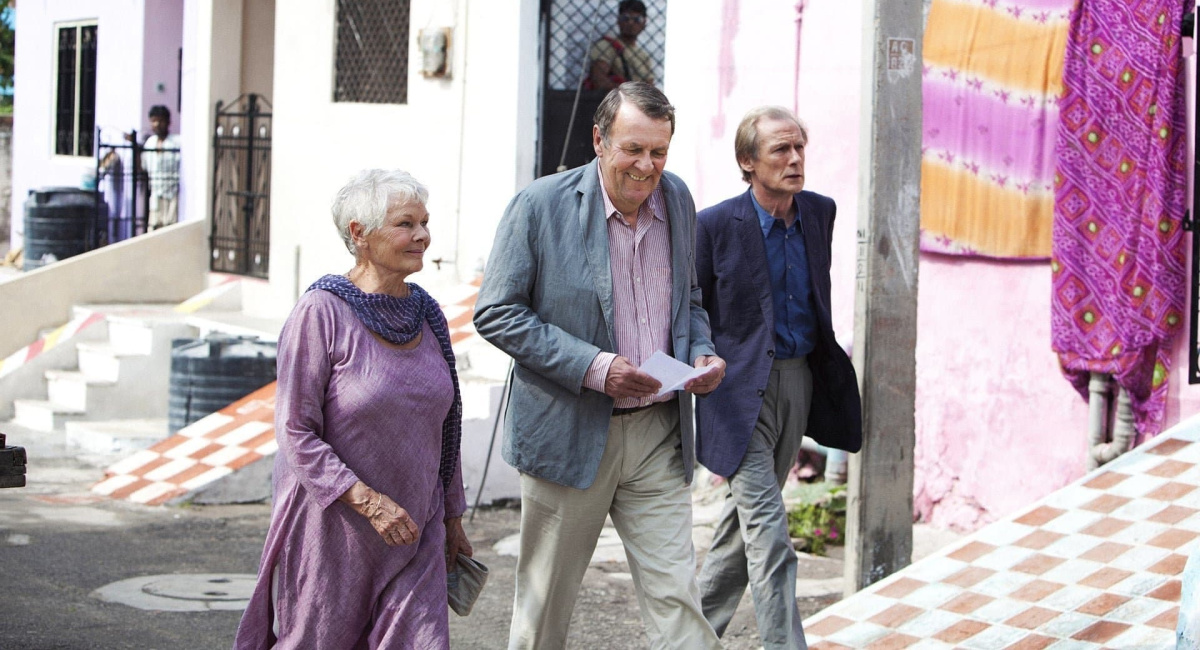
(617, 59)
(160, 161)
(762, 260)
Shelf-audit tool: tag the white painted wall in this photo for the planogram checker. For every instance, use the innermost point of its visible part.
(258, 47)
(212, 50)
(468, 138)
(119, 63)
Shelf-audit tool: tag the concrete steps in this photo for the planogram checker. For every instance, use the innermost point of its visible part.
(116, 396)
(43, 415)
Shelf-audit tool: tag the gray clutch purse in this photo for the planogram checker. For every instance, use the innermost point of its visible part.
(464, 584)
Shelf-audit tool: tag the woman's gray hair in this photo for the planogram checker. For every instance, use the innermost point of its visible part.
(745, 142)
(366, 197)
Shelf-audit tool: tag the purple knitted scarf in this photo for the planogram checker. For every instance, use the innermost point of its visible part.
(399, 320)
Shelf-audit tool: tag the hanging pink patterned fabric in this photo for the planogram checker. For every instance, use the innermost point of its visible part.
(1118, 266)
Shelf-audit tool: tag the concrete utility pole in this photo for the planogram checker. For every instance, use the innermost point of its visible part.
(879, 514)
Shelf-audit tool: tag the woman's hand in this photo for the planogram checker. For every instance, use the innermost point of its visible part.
(456, 542)
(386, 516)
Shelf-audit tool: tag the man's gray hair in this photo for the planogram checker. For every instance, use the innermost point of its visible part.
(366, 197)
(644, 96)
(745, 143)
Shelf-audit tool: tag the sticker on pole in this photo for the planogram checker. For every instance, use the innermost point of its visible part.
(901, 58)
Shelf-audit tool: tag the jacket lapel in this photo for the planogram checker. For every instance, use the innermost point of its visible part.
(815, 246)
(594, 226)
(681, 265)
(755, 250)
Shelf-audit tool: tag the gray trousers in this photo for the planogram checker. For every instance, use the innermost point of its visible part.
(751, 543)
(640, 485)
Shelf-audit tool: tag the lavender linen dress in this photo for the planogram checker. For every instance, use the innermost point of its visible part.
(349, 407)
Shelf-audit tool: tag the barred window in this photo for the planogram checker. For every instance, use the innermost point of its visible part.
(372, 52)
(75, 90)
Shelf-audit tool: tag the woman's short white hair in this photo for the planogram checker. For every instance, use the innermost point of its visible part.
(366, 197)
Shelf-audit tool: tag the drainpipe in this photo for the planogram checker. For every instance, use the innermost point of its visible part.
(837, 463)
(1122, 437)
(1098, 402)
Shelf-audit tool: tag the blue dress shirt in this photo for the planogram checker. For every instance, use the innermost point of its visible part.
(791, 284)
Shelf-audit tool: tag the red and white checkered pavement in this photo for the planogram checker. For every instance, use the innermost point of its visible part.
(201, 453)
(1096, 564)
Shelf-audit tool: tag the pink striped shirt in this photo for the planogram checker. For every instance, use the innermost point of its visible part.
(640, 262)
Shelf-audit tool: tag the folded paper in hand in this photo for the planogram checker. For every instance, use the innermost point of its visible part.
(464, 584)
(671, 372)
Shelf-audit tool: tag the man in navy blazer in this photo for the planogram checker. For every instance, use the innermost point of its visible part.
(762, 261)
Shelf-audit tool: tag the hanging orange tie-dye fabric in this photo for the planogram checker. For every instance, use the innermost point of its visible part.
(992, 79)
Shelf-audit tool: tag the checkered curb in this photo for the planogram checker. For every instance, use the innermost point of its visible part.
(1095, 565)
(47, 342)
(203, 452)
(205, 298)
(460, 310)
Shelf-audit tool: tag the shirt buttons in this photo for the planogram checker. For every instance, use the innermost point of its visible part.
(770, 353)
(761, 392)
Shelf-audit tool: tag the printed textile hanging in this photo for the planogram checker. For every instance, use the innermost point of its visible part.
(991, 79)
(1118, 264)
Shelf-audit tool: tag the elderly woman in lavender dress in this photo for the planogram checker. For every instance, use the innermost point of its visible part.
(368, 493)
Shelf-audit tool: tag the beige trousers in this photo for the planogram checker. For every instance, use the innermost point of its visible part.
(640, 485)
(163, 211)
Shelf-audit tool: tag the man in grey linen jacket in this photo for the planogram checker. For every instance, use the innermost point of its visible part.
(571, 281)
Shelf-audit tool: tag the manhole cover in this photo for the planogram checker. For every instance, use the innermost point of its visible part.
(181, 593)
(201, 587)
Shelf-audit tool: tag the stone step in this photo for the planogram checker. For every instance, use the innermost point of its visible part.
(116, 436)
(73, 389)
(43, 415)
(99, 361)
(141, 390)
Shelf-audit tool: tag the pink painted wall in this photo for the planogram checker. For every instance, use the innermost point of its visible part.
(163, 38)
(997, 426)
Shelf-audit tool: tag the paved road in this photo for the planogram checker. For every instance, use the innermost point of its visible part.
(57, 548)
(59, 544)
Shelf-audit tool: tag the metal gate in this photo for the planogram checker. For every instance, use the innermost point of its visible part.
(570, 27)
(241, 201)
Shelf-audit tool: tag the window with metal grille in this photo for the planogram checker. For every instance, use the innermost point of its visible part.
(75, 90)
(575, 24)
(372, 52)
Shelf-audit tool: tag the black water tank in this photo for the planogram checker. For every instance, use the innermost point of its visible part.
(211, 373)
(60, 222)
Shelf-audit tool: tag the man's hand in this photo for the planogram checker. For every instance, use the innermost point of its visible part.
(709, 381)
(456, 542)
(624, 380)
